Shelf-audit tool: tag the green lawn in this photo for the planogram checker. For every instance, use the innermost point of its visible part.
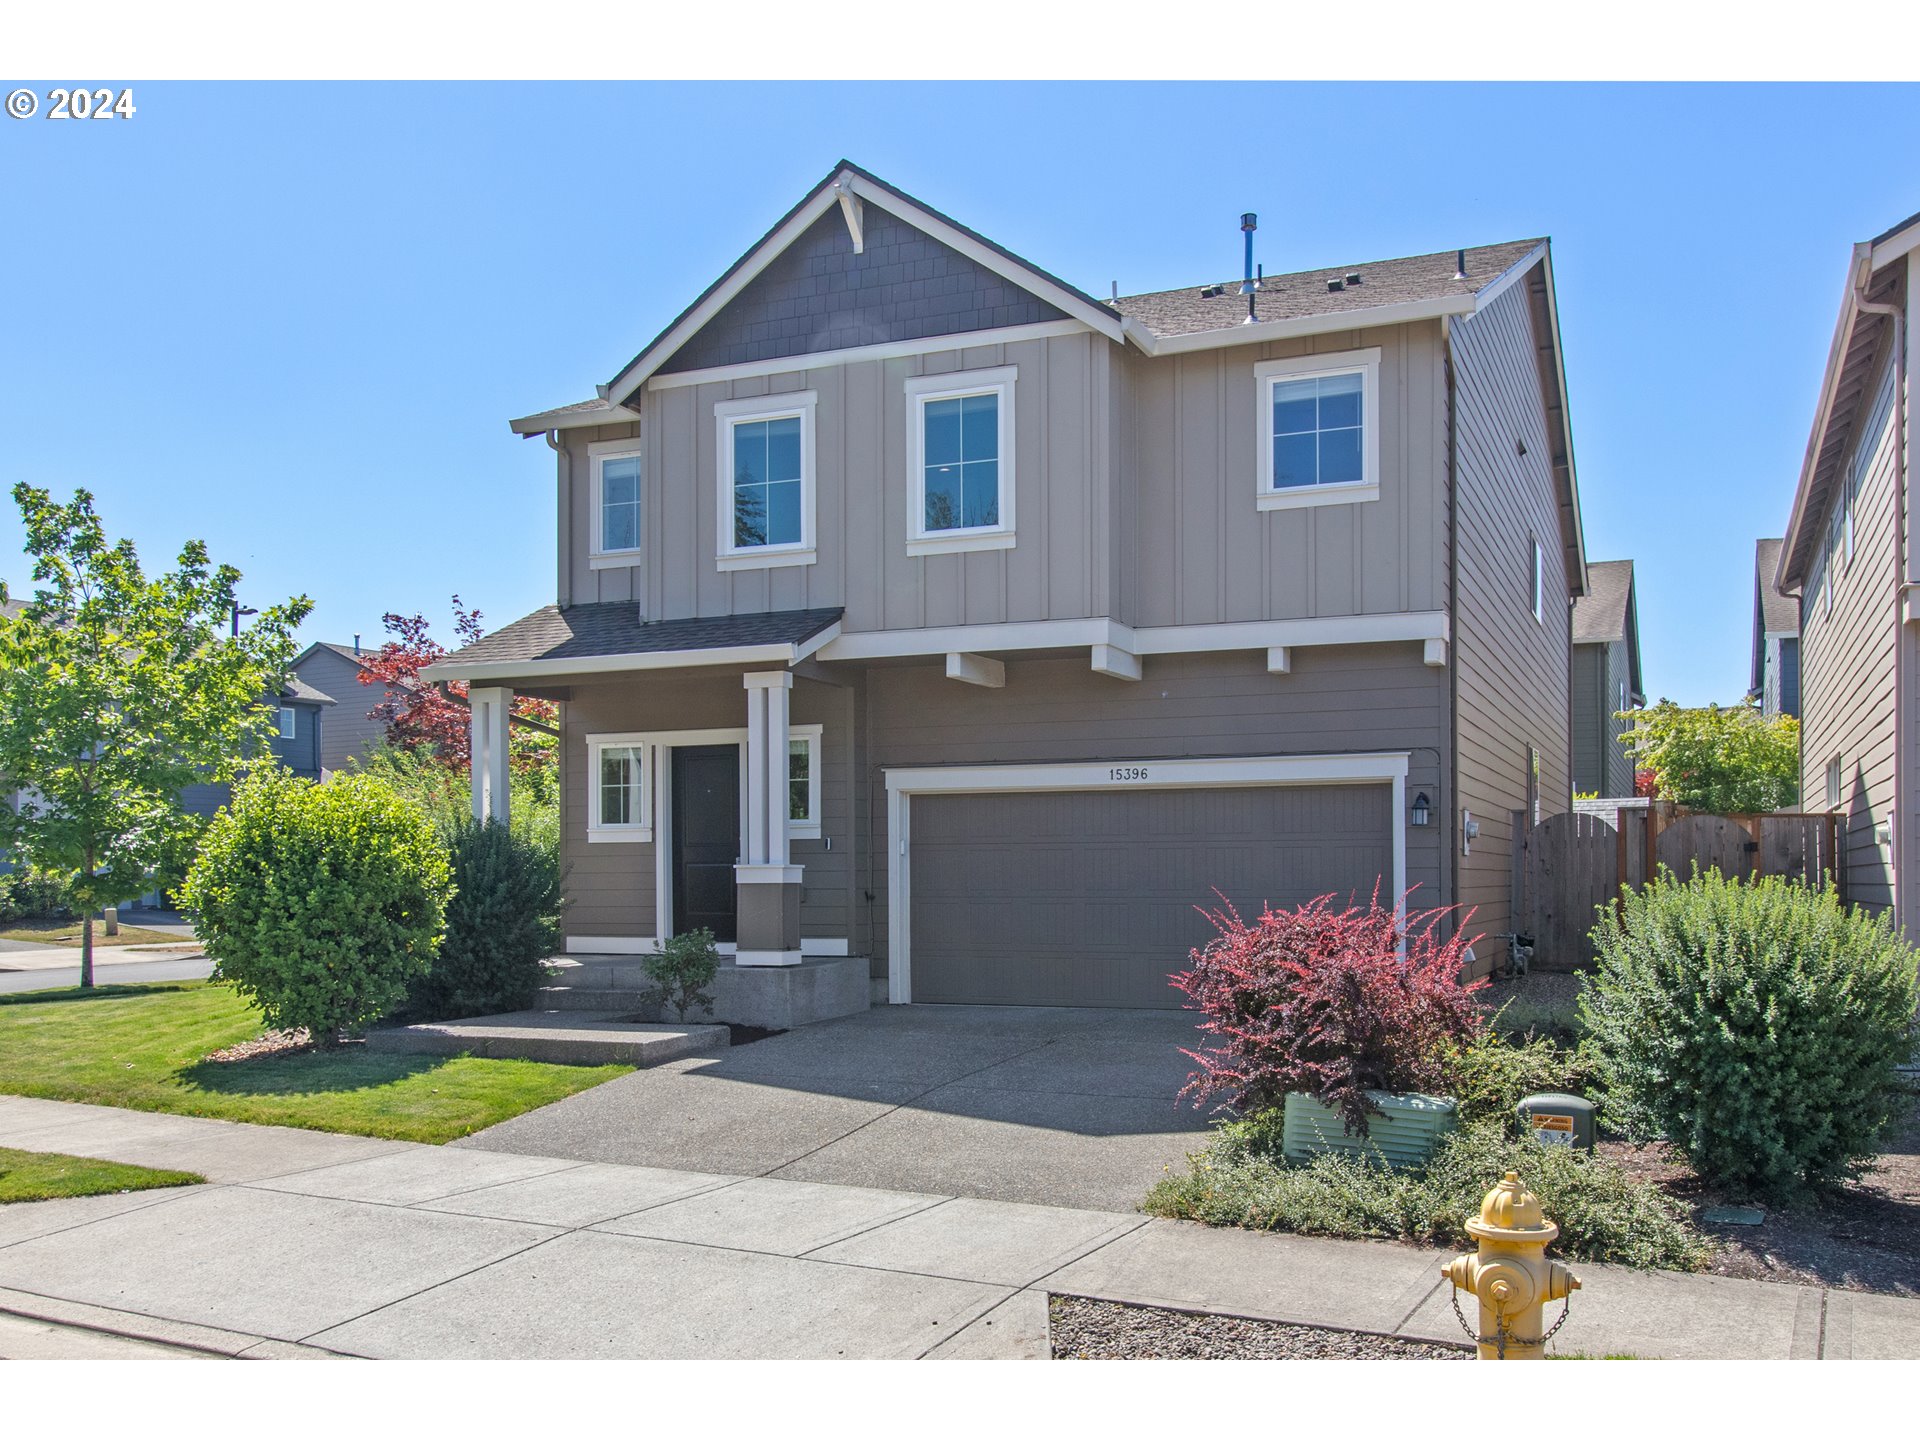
(141, 1047)
(67, 932)
(34, 1175)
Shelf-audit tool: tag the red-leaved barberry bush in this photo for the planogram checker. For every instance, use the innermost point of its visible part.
(1319, 999)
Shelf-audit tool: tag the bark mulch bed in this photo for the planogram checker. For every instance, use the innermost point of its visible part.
(1085, 1329)
(274, 1042)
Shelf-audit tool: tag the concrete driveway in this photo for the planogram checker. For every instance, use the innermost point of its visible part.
(1055, 1107)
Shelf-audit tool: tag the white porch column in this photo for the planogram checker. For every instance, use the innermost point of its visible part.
(768, 883)
(488, 720)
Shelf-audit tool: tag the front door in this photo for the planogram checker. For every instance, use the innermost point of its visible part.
(706, 837)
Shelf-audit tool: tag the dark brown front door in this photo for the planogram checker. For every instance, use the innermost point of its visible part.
(706, 837)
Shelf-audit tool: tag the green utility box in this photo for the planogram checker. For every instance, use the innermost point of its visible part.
(1403, 1134)
(1556, 1119)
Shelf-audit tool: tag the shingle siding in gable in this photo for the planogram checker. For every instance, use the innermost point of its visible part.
(819, 295)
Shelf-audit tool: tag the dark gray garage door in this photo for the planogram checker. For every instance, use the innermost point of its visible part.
(1087, 898)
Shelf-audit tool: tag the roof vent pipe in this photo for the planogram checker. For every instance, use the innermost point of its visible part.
(356, 645)
(1249, 223)
(1459, 264)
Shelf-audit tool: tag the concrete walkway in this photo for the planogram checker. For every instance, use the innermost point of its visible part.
(309, 1244)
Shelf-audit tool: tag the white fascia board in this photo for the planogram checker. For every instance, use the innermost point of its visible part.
(763, 255)
(1261, 330)
(613, 664)
(573, 420)
(1232, 771)
(1279, 634)
(853, 355)
(1896, 245)
(942, 640)
(1492, 291)
(1545, 259)
(1823, 410)
(1095, 315)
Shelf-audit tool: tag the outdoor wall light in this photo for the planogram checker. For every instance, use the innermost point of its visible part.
(1422, 809)
(1469, 832)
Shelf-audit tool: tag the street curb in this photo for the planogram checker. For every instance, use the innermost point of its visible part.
(154, 1330)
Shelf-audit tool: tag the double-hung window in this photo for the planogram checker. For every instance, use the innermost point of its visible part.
(616, 503)
(1318, 433)
(766, 481)
(287, 722)
(803, 782)
(620, 780)
(960, 461)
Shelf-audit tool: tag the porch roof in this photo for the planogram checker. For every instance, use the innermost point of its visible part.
(610, 636)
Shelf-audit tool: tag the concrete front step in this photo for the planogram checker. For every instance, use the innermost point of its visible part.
(772, 997)
(572, 1037)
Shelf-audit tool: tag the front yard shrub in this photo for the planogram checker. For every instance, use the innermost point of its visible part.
(1756, 1026)
(1319, 999)
(33, 895)
(1604, 1214)
(681, 971)
(502, 922)
(1491, 1073)
(319, 903)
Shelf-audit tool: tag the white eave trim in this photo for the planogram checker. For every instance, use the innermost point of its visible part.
(1896, 245)
(854, 355)
(843, 182)
(573, 420)
(782, 654)
(1823, 411)
(1386, 629)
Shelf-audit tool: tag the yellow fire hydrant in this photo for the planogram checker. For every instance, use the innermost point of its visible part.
(1511, 1275)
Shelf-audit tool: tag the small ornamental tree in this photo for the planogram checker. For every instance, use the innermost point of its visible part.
(421, 718)
(118, 689)
(1319, 999)
(1729, 761)
(503, 921)
(320, 904)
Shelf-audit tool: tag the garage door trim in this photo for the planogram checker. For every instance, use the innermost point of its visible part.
(1388, 767)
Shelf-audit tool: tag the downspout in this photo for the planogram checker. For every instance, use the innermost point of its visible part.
(1450, 769)
(564, 591)
(1906, 609)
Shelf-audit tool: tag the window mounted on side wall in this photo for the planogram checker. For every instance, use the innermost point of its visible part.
(1318, 432)
(1834, 780)
(960, 461)
(803, 782)
(1539, 583)
(615, 503)
(765, 505)
(288, 722)
(620, 789)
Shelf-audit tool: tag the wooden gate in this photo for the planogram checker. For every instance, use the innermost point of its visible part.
(1570, 864)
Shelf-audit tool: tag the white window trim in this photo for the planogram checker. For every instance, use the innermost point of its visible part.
(808, 829)
(287, 722)
(1539, 581)
(598, 453)
(922, 389)
(1364, 363)
(1384, 767)
(640, 830)
(726, 415)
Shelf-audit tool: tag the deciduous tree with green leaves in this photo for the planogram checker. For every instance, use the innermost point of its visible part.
(117, 691)
(1730, 761)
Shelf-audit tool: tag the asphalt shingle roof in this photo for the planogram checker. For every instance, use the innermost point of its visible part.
(1600, 615)
(1303, 293)
(1780, 613)
(614, 627)
(298, 689)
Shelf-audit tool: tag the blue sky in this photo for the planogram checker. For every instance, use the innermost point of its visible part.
(293, 320)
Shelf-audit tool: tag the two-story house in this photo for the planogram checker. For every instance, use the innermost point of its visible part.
(1606, 679)
(1775, 671)
(1850, 558)
(298, 710)
(351, 730)
(915, 606)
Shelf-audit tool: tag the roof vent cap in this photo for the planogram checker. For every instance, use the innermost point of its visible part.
(1334, 286)
(1355, 278)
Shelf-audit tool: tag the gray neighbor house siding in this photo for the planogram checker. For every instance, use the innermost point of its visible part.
(350, 731)
(1400, 625)
(1858, 586)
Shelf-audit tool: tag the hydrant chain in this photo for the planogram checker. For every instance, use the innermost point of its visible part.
(1510, 1274)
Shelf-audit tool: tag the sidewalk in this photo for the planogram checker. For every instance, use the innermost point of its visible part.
(314, 1244)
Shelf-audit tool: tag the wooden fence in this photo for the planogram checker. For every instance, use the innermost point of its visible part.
(1570, 864)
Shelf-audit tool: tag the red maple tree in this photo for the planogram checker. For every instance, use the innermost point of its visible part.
(421, 716)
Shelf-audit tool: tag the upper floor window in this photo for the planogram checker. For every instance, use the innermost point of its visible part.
(960, 460)
(766, 482)
(1539, 583)
(616, 502)
(1319, 429)
(288, 722)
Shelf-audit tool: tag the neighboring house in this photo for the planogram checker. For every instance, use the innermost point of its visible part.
(350, 730)
(1850, 558)
(1776, 637)
(914, 604)
(1606, 679)
(297, 741)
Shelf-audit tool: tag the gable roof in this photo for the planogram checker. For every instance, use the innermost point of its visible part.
(294, 688)
(1860, 339)
(1776, 613)
(1308, 294)
(1609, 613)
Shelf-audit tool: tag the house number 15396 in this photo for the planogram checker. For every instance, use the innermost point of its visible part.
(1127, 772)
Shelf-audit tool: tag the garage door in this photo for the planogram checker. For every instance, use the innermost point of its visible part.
(1087, 898)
